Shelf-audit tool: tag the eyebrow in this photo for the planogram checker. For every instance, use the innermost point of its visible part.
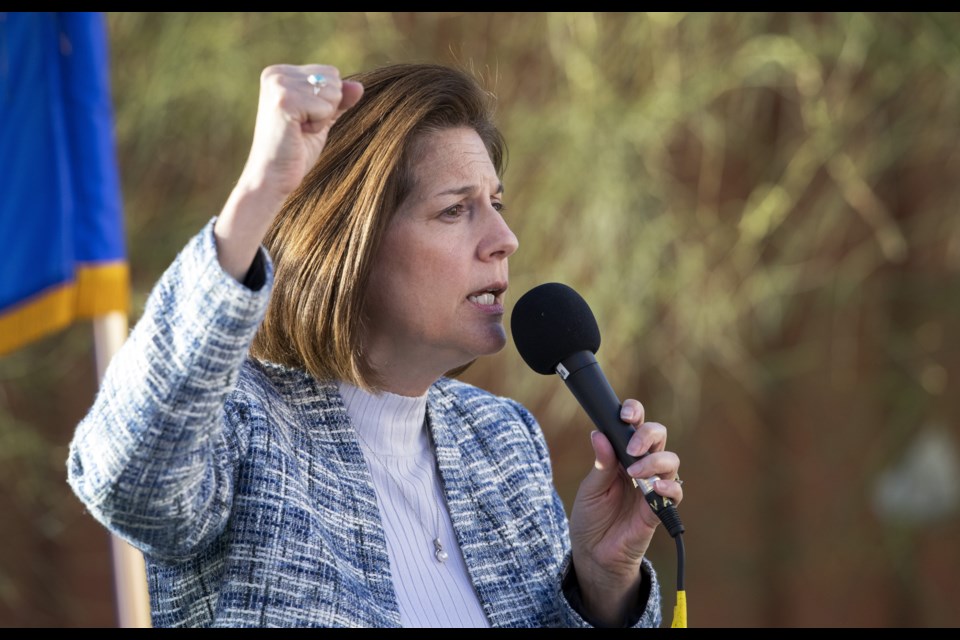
(467, 190)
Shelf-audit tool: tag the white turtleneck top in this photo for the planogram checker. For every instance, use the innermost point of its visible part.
(398, 451)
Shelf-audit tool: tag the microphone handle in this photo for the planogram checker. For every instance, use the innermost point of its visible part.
(583, 376)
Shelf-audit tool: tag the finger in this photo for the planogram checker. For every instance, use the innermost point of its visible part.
(649, 437)
(321, 79)
(605, 466)
(669, 489)
(313, 94)
(663, 464)
(632, 411)
(351, 92)
(322, 86)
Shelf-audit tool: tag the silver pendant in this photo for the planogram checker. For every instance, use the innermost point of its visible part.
(440, 553)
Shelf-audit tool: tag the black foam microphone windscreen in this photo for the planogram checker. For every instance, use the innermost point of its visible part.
(551, 322)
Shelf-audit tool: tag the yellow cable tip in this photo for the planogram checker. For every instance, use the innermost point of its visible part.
(680, 611)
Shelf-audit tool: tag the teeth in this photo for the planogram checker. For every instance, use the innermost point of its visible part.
(483, 298)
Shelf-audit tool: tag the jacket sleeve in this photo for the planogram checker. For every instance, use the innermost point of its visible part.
(154, 459)
(647, 615)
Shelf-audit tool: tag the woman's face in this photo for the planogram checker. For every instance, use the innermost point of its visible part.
(435, 300)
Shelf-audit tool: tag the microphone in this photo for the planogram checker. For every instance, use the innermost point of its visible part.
(555, 332)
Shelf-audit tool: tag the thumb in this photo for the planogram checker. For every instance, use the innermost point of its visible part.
(605, 466)
(351, 92)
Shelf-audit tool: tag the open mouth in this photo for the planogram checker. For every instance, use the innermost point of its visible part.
(489, 296)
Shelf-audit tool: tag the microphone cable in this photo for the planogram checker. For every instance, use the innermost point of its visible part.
(667, 512)
(680, 608)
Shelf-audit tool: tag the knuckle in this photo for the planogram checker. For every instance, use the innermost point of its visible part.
(271, 72)
(656, 427)
(284, 101)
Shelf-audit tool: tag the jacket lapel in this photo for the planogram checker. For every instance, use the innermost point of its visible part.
(342, 486)
(482, 521)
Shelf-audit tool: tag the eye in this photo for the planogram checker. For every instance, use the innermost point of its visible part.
(499, 206)
(455, 211)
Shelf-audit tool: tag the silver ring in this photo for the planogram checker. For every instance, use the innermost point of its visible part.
(319, 81)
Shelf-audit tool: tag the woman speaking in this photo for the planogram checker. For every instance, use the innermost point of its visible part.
(283, 435)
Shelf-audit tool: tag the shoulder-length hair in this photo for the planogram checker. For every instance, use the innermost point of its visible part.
(324, 241)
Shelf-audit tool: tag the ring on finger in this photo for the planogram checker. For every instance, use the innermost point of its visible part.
(318, 81)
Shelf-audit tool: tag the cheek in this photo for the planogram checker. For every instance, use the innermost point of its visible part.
(422, 277)
(414, 295)
(437, 273)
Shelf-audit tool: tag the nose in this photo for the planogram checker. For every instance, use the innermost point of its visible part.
(498, 242)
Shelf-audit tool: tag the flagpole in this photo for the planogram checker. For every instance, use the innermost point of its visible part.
(129, 570)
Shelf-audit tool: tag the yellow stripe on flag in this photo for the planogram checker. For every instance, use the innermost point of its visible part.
(98, 289)
(102, 288)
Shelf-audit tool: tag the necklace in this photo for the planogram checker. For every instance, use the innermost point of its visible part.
(438, 551)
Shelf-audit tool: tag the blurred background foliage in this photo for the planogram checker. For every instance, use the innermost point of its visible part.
(760, 208)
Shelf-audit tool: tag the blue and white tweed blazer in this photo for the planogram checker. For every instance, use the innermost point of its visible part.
(243, 483)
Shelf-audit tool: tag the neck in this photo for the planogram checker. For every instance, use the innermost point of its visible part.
(404, 383)
(409, 374)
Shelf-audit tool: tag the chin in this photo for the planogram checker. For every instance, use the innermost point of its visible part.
(488, 346)
(467, 348)
(496, 337)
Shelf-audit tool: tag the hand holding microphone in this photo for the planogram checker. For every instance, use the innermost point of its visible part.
(555, 332)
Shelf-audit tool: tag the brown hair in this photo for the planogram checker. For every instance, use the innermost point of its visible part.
(324, 240)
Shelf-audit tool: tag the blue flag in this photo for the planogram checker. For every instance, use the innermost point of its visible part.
(61, 224)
